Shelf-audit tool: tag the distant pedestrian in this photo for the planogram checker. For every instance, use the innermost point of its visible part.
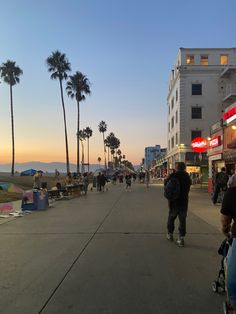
(147, 178)
(85, 182)
(228, 221)
(220, 184)
(57, 173)
(99, 181)
(103, 181)
(37, 184)
(128, 181)
(178, 206)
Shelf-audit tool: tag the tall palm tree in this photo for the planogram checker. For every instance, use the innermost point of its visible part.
(99, 161)
(88, 134)
(77, 87)
(102, 127)
(107, 144)
(10, 73)
(82, 137)
(59, 66)
(119, 153)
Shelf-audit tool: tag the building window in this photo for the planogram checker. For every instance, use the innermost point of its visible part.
(172, 103)
(190, 59)
(196, 113)
(224, 59)
(169, 145)
(196, 89)
(204, 60)
(172, 122)
(196, 134)
(172, 142)
(176, 117)
(176, 138)
(169, 126)
(176, 95)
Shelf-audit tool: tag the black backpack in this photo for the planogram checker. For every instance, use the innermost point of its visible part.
(222, 179)
(172, 189)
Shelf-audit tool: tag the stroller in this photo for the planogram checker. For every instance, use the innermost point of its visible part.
(219, 285)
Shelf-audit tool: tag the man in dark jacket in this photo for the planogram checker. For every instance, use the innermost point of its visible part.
(220, 184)
(179, 206)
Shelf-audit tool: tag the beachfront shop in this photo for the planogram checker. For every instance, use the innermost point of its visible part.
(229, 153)
(196, 161)
(215, 153)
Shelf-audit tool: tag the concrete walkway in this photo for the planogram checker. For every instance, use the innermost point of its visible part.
(107, 253)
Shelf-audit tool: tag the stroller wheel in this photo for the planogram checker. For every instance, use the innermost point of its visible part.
(214, 286)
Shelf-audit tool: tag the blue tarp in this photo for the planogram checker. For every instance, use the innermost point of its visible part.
(29, 172)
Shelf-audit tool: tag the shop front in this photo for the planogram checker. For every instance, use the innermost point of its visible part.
(215, 153)
(229, 153)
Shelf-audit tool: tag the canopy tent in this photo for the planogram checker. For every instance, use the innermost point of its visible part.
(29, 172)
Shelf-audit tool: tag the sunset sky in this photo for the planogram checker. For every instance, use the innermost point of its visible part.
(126, 48)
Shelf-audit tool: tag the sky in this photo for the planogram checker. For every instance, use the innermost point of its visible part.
(126, 48)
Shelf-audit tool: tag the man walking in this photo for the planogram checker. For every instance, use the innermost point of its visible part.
(221, 180)
(178, 206)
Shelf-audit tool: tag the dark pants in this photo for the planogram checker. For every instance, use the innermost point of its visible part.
(216, 193)
(181, 213)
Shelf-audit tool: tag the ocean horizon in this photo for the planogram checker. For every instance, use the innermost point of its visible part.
(50, 167)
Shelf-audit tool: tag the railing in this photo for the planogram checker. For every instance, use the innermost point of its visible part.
(230, 90)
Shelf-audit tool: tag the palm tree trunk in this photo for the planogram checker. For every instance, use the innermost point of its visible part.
(105, 158)
(82, 158)
(78, 126)
(12, 134)
(88, 154)
(66, 139)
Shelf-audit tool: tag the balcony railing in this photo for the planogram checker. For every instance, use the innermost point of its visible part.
(230, 92)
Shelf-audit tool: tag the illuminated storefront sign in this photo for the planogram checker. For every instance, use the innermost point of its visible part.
(199, 144)
(215, 141)
(230, 115)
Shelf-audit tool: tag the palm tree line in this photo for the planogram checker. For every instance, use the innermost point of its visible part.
(77, 87)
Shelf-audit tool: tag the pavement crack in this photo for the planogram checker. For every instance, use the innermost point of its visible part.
(79, 255)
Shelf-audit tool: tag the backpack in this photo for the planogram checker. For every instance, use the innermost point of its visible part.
(222, 179)
(172, 189)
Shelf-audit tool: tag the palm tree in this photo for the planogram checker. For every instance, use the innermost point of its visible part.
(59, 66)
(10, 73)
(77, 87)
(82, 137)
(99, 161)
(119, 154)
(88, 134)
(107, 144)
(102, 129)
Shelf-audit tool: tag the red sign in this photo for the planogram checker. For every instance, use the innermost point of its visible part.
(215, 141)
(230, 113)
(199, 144)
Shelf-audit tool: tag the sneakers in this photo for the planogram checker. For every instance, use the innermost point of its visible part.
(180, 242)
(169, 237)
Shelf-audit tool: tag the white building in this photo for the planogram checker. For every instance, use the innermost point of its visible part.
(199, 88)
